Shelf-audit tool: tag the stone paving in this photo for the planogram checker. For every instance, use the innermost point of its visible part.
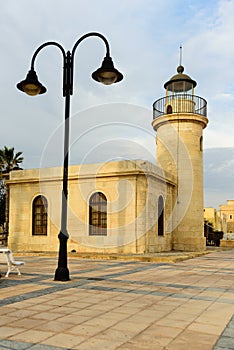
(120, 305)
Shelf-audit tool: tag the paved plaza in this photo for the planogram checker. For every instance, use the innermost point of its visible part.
(120, 304)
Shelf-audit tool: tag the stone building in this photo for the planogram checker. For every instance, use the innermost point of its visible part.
(216, 219)
(210, 216)
(124, 206)
(228, 210)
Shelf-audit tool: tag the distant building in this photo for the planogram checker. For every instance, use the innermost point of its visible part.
(126, 206)
(227, 210)
(221, 221)
(210, 216)
(215, 219)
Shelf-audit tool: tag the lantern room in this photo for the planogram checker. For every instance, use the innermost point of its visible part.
(180, 97)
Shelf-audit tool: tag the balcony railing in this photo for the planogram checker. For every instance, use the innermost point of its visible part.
(180, 103)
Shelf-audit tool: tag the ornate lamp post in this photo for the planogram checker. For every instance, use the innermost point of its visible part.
(106, 74)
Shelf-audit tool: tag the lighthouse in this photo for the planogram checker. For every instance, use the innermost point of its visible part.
(179, 119)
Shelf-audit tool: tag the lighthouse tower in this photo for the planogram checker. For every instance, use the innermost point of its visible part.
(179, 120)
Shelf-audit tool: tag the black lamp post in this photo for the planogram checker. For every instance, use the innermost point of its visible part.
(107, 75)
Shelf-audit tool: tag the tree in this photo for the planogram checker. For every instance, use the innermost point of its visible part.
(9, 160)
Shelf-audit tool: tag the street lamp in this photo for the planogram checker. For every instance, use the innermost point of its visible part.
(106, 74)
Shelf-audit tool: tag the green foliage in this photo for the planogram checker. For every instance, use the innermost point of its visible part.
(9, 160)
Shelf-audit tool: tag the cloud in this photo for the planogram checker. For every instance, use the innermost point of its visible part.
(144, 37)
(104, 133)
(218, 175)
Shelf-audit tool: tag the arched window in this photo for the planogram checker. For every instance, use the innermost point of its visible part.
(169, 109)
(160, 216)
(39, 216)
(98, 215)
(201, 143)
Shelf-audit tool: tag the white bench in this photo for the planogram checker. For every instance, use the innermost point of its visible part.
(7, 257)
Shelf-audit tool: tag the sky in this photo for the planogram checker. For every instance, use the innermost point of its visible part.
(114, 122)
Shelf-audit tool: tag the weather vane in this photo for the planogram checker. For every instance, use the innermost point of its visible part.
(180, 55)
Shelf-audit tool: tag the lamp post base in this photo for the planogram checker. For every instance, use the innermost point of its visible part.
(62, 274)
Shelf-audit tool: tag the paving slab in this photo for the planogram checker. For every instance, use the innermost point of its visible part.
(169, 303)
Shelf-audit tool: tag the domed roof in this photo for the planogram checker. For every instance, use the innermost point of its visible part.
(180, 82)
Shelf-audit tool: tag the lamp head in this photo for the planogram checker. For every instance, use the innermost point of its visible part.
(31, 86)
(107, 74)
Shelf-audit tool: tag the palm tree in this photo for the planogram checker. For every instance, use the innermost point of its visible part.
(9, 160)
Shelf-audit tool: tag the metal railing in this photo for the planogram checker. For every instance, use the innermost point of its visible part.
(180, 103)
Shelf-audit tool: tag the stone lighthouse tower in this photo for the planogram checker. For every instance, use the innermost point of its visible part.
(179, 120)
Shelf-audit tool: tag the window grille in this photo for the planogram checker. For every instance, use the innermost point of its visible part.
(98, 215)
(39, 222)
